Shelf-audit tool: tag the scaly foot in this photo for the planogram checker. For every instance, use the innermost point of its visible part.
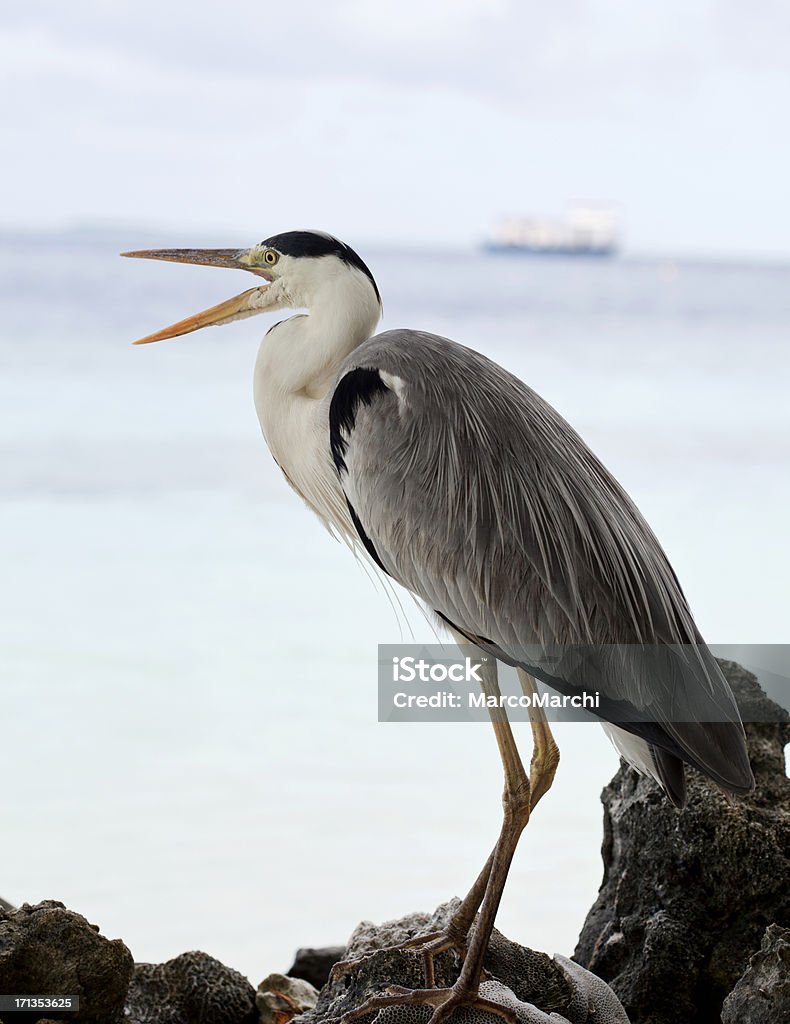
(445, 1001)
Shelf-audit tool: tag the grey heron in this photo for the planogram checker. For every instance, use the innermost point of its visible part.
(463, 485)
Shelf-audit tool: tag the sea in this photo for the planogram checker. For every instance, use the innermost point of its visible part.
(190, 753)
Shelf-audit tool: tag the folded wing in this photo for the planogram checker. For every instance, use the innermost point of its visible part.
(476, 495)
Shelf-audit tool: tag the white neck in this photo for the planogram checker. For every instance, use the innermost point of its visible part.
(296, 368)
(304, 353)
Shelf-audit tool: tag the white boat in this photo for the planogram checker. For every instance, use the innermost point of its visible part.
(584, 231)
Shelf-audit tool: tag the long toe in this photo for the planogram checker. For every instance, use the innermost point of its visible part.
(434, 1006)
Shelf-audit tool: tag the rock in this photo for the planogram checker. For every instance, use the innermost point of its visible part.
(314, 965)
(280, 998)
(5, 905)
(48, 950)
(540, 989)
(687, 895)
(762, 996)
(193, 988)
(368, 937)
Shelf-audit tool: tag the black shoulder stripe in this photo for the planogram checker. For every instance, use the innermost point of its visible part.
(355, 387)
(367, 543)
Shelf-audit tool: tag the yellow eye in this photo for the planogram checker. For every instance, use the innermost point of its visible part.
(270, 257)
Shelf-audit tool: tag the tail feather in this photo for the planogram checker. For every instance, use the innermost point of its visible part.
(718, 749)
(671, 773)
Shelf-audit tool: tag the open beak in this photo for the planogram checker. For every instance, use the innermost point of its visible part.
(250, 302)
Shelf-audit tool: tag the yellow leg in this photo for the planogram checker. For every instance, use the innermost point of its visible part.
(545, 752)
(486, 892)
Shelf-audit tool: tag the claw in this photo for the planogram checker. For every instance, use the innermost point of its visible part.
(432, 944)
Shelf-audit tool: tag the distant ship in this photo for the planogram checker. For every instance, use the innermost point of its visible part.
(583, 231)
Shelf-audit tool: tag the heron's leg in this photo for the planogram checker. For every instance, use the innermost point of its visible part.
(545, 752)
(517, 805)
(542, 769)
(454, 935)
(516, 801)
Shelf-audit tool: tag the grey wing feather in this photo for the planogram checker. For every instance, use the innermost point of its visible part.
(479, 497)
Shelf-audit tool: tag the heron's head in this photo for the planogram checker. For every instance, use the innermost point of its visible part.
(301, 269)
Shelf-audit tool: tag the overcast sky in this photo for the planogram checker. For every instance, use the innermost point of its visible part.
(392, 120)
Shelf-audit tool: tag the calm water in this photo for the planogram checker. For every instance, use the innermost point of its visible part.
(190, 750)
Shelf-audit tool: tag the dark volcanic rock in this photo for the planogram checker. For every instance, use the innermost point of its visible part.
(193, 988)
(48, 950)
(687, 895)
(5, 905)
(533, 984)
(762, 996)
(314, 965)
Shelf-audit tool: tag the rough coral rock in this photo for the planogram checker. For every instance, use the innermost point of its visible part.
(762, 996)
(193, 988)
(540, 990)
(687, 895)
(48, 950)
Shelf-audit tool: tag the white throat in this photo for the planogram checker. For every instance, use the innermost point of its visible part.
(297, 364)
